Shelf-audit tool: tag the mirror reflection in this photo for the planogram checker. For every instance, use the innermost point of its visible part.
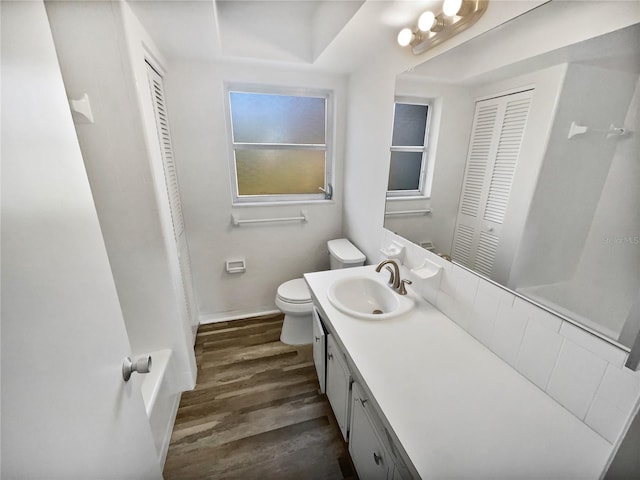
(529, 173)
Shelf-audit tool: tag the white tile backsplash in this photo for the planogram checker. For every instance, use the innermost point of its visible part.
(466, 284)
(488, 300)
(447, 284)
(592, 343)
(447, 305)
(430, 294)
(580, 371)
(466, 287)
(537, 314)
(538, 353)
(621, 387)
(483, 317)
(606, 419)
(576, 377)
(507, 333)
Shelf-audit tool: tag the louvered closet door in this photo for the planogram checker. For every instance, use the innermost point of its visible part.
(173, 192)
(496, 136)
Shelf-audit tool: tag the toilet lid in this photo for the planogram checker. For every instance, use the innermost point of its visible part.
(294, 291)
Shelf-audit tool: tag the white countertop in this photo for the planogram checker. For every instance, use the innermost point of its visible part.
(458, 410)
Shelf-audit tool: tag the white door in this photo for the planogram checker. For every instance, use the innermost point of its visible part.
(338, 385)
(498, 128)
(319, 349)
(66, 411)
(184, 282)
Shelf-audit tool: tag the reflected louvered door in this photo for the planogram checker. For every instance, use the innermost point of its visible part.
(496, 137)
(173, 193)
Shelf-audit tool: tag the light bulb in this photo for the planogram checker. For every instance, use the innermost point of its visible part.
(451, 7)
(425, 22)
(404, 37)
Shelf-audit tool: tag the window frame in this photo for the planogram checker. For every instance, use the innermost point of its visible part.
(426, 167)
(328, 146)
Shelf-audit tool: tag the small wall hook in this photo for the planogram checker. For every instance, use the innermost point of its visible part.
(81, 109)
(576, 129)
(141, 365)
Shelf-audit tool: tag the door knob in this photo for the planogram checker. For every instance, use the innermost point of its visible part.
(141, 365)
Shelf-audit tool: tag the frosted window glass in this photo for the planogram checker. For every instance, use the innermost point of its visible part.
(278, 172)
(409, 124)
(404, 173)
(265, 118)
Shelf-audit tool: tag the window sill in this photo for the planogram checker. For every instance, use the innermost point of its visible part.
(408, 197)
(283, 203)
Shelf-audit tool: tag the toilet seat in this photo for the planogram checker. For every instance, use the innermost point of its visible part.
(295, 292)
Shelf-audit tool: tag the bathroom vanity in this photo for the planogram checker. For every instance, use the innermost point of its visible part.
(418, 397)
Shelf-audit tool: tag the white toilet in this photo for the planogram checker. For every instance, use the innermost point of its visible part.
(294, 299)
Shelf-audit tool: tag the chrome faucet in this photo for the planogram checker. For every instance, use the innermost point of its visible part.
(394, 280)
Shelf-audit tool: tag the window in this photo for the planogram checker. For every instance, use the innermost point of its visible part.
(408, 166)
(280, 144)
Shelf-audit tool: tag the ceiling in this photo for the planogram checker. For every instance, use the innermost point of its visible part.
(327, 35)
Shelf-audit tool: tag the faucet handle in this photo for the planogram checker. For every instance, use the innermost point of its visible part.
(392, 276)
(403, 290)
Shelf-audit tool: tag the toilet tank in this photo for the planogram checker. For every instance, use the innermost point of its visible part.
(344, 254)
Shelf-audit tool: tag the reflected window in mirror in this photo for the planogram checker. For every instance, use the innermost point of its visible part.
(409, 144)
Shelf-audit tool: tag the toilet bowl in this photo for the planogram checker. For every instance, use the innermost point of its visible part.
(294, 299)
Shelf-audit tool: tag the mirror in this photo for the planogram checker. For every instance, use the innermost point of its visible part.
(535, 168)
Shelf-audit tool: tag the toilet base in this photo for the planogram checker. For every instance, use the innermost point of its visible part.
(297, 329)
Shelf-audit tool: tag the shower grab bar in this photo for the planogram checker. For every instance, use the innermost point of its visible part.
(425, 211)
(236, 222)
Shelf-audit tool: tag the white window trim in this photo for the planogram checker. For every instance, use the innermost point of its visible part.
(426, 168)
(328, 147)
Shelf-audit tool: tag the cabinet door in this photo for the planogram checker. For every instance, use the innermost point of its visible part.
(319, 349)
(371, 459)
(338, 384)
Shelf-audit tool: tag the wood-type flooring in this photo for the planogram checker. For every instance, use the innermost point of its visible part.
(256, 412)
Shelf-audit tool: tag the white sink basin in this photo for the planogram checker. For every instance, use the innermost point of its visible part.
(365, 297)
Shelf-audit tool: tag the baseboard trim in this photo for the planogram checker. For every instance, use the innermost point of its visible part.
(226, 317)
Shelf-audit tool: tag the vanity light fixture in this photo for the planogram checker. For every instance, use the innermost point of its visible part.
(432, 29)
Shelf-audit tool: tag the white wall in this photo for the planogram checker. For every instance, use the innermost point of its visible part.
(275, 252)
(93, 50)
(371, 94)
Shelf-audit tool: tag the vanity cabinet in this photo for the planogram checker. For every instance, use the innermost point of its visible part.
(338, 384)
(368, 453)
(319, 349)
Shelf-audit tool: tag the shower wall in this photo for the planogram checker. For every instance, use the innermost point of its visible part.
(611, 255)
(576, 229)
